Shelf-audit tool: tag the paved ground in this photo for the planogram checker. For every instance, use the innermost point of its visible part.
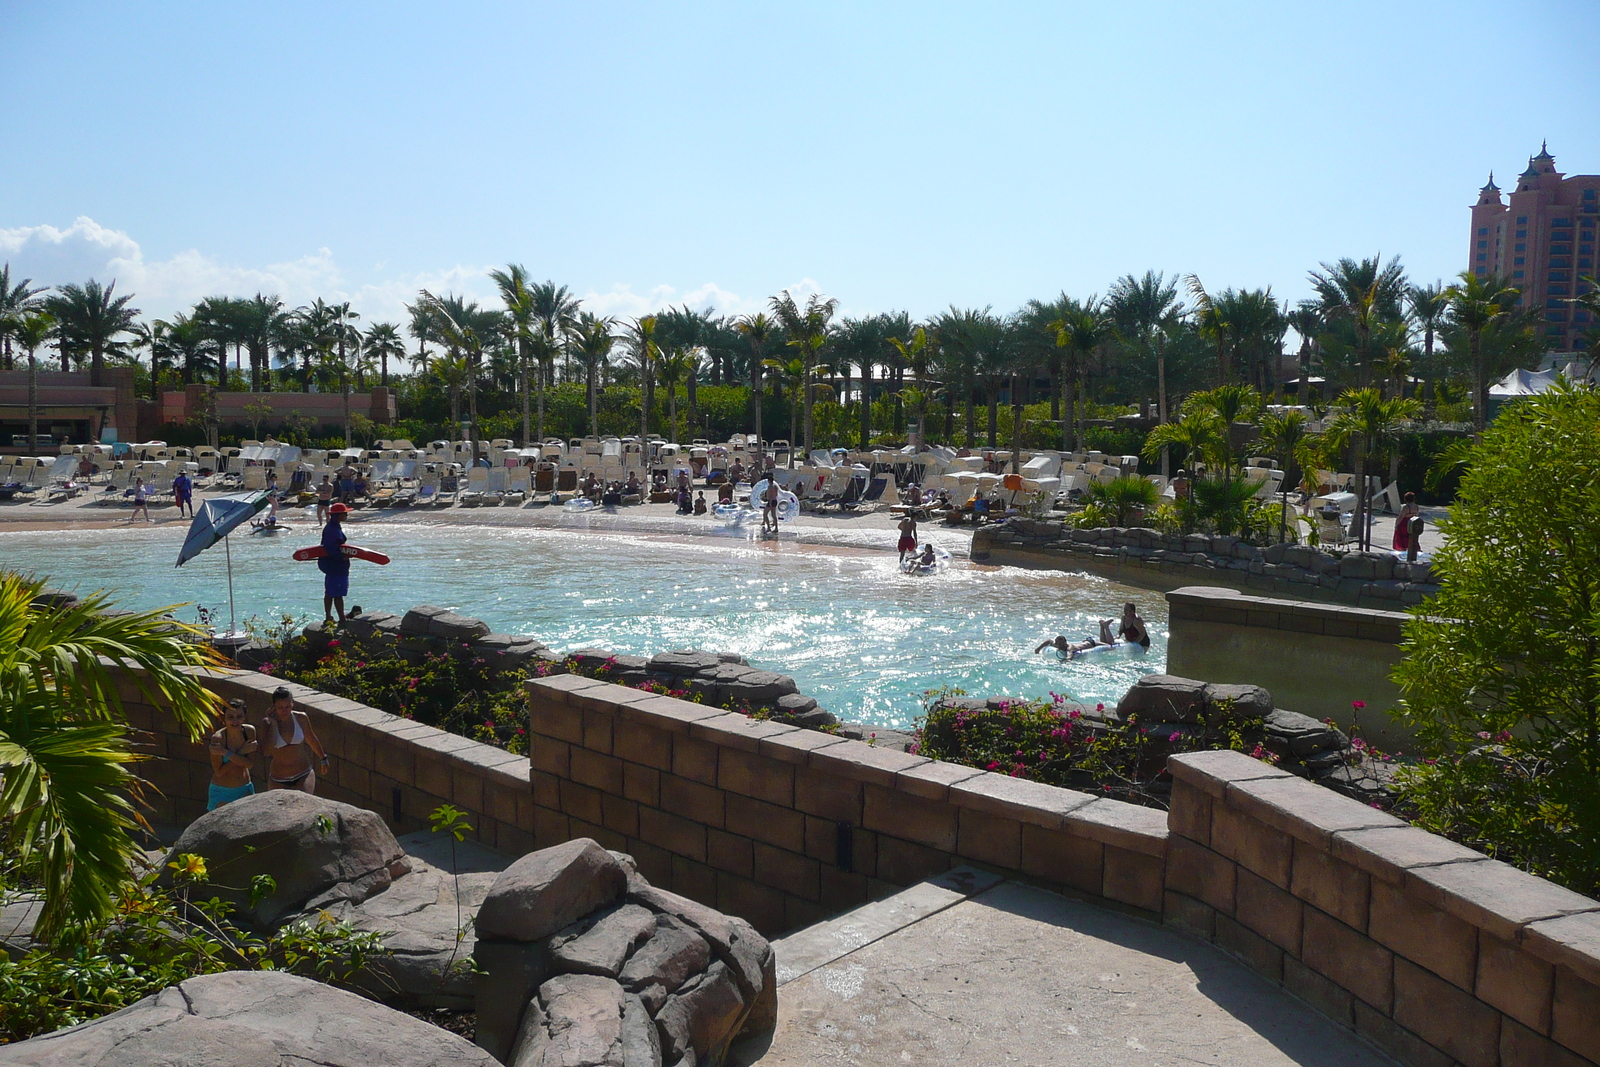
(985, 973)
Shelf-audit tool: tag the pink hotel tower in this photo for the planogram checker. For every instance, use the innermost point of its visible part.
(1543, 243)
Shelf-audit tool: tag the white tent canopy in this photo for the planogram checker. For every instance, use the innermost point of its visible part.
(1524, 383)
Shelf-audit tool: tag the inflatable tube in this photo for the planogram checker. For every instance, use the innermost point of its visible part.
(306, 555)
(734, 514)
(914, 564)
(580, 503)
(275, 528)
(1120, 646)
(788, 503)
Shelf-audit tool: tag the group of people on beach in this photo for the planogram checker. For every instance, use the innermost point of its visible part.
(285, 736)
(1130, 628)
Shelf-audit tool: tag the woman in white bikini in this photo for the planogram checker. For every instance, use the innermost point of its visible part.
(287, 738)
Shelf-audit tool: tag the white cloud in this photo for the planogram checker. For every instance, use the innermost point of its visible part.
(86, 249)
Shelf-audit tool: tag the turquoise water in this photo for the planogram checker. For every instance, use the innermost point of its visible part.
(861, 637)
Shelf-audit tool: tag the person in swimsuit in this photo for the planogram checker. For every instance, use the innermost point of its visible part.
(324, 499)
(1132, 628)
(1069, 650)
(908, 536)
(289, 736)
(233, 749)
(141, 501)
(769, 507)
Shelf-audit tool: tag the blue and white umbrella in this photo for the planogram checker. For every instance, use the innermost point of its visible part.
(217, 518)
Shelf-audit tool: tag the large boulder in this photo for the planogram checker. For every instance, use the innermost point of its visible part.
(685, 662)
(318, 852)
(426, 917)
(545, 891)
(249, 1019)
(638, 976)
(1164, 698)
(1237, 701)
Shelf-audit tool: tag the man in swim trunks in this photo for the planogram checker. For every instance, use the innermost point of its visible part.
(908, 537)
(233, 750)
(289, 741)
(324, 499)
(1132, 628)
(1069, 650)
(769, 507)
(334, 564)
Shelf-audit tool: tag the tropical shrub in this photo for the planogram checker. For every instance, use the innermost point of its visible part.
(1053, 742)
(154, 937)
(68, 796)
(1501, 675)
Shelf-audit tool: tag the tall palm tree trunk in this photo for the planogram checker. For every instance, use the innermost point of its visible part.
(755, 392)
(992, 394)
(543, 377)
(1479, 415)
(1016, 426)
(794, 414)
(33, 399)
(591, 374)
(807, 396)
(522, 352)
(866, 406)
(344, 388)
(1161, 400)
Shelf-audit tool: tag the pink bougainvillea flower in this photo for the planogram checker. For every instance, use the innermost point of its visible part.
(1173, 737)
(1358, 704)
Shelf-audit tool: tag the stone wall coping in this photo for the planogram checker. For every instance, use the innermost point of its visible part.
(1110, 822)
(1225, 597)
(1555, 924)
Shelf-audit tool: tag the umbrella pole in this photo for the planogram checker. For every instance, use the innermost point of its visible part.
(227, 547)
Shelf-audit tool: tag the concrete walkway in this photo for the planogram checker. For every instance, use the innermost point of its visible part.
(970, 970)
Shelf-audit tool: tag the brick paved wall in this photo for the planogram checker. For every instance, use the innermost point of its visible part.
(1434, 952)
(786, 826)
(398, 768)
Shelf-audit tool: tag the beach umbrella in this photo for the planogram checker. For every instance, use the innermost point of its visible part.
(217, 518)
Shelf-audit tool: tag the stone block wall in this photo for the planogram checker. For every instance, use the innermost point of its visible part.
(398, 768)
(1434, 952)
(1164, 561)
(786, 826)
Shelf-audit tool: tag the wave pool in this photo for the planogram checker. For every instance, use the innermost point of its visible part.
(866, 640)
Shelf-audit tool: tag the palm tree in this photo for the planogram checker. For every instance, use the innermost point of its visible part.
(807, 332)
(1371, 422)
(1212, 322)
(1428, 304)
(91, 316)
(914, 354)
(1478, 302)
(1286, 436)
(522, 322)
(799, 377)
(67, 801)
(383, 340)
(1144, 311)
(17, 299)
(757, 329)
(1124, 493)
(593, 339)
(423, 329)
(1080, 331)
(464, 329)
(557, 310)
(1362, 293)
(642, 338)
(672, 368)
(31, 332)
(1306, 320)
(257, 323)
(1590, 302)
(1233, 403)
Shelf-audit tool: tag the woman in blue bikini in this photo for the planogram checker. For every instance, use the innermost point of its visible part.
(233, 750)
(289, 742)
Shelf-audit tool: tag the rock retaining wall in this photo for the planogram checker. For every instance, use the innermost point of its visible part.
(1164, 561)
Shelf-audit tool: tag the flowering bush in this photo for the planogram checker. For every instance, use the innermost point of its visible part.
(1054, 742)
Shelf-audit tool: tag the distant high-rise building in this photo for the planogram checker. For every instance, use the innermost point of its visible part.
(1542, 242)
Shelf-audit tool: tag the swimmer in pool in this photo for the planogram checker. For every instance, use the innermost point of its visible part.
(927, 559)
(1132, 627)
(1068, 649)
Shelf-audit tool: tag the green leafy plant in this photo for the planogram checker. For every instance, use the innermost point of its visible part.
(155, 936)
(1501, 675)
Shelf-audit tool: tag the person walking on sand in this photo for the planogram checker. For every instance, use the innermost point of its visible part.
(233, 750)
(908, 536)
(324, 499)
(141, 501)
(183, 493)
(769, 507)
(290, 743)
(334, 564)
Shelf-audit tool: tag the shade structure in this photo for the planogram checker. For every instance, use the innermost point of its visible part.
(216, 518)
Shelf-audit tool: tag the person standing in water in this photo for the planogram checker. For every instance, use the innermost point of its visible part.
(233, 750)
(1132, 628)
(908, 536)
(290, 743)
(334, 564)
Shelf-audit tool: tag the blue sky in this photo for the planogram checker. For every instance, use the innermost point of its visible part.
(893, 155)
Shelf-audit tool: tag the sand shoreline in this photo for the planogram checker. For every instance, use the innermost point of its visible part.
(873, 531)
